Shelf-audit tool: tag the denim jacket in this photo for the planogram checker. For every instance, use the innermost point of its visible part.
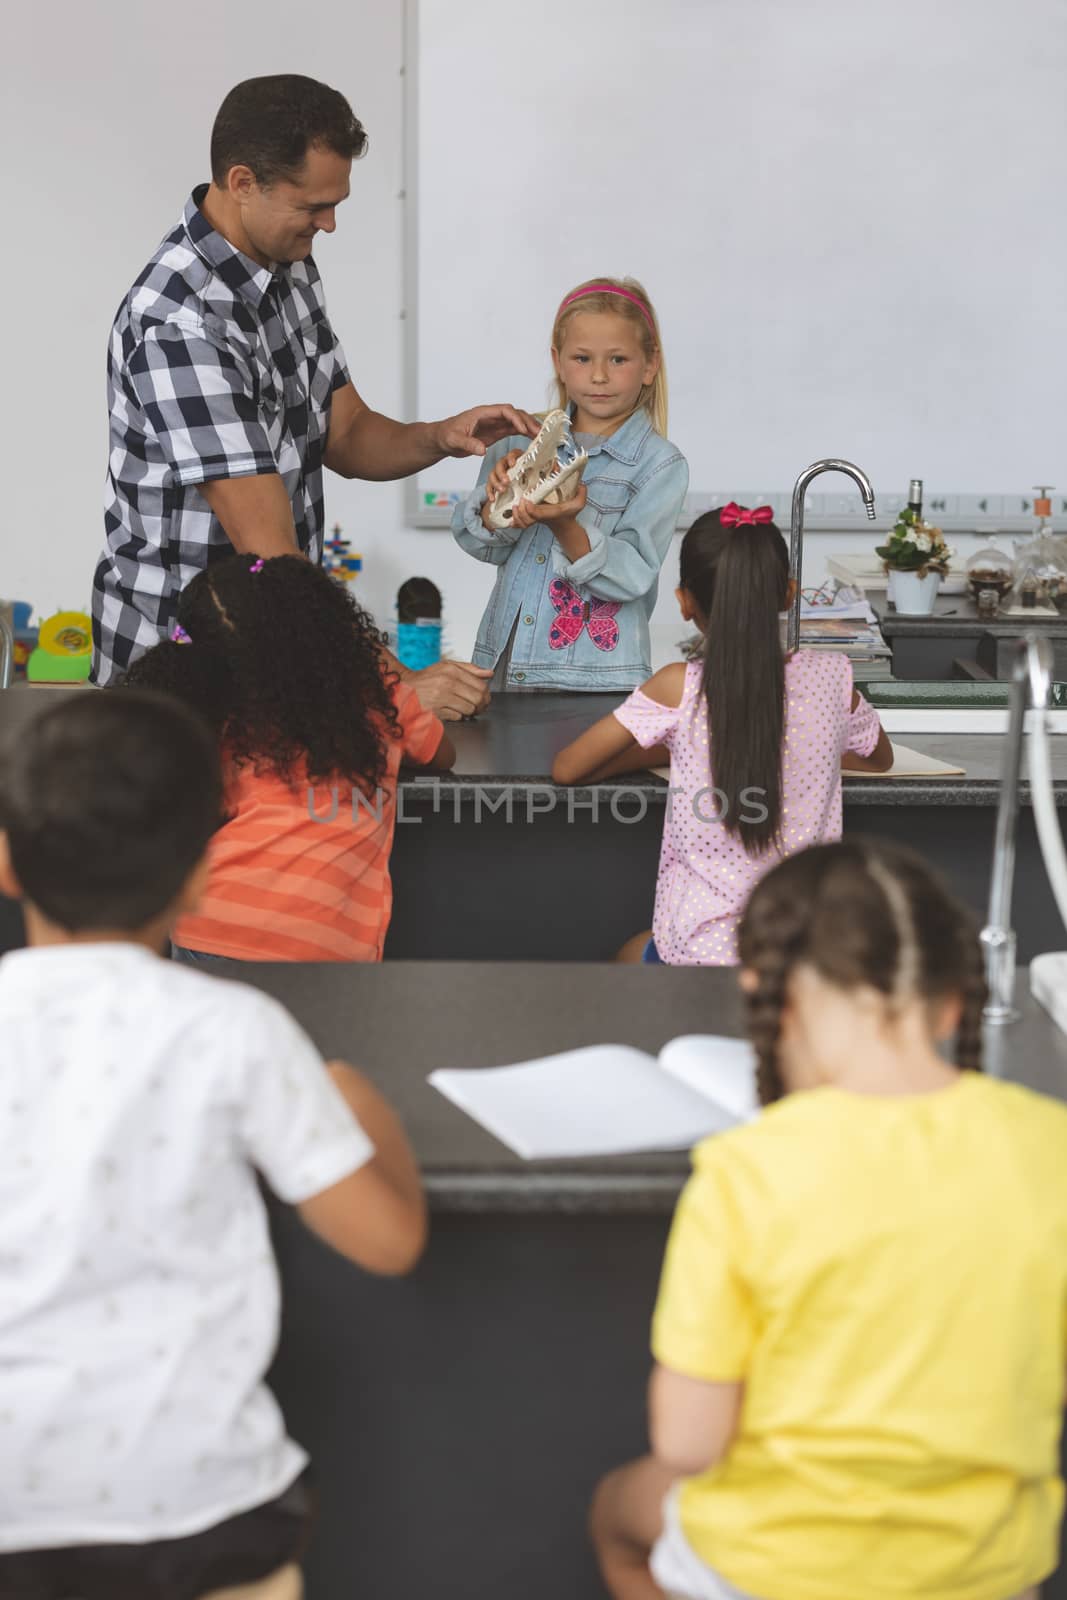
(589, 629)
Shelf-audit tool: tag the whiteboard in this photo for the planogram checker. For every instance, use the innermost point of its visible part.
(848, 214)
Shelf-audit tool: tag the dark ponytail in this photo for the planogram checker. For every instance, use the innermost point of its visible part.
(739, 578)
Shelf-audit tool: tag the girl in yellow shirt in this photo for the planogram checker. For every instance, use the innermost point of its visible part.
(860, 1333)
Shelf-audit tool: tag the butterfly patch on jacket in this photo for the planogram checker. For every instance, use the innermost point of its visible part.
(573, 614)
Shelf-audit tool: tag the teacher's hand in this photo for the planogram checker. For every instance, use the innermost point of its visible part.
(452, 689)
(472, 432)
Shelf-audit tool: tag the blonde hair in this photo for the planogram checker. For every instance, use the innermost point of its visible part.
(653, 395)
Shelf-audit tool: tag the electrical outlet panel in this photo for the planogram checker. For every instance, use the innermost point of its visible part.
(827, 510)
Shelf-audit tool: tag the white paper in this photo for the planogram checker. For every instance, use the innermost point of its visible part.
(604, 1100)
(721, 1069)
(848, 610)
(908, 763)
(1048, 985)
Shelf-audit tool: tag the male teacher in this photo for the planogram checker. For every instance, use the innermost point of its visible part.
(228, 390)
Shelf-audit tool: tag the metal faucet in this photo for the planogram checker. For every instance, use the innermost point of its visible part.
(1031, 670)
(7, 653)
(796, 527)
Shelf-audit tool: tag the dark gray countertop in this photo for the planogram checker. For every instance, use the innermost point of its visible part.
(400, 1020)
(956, 614)
(511, 746)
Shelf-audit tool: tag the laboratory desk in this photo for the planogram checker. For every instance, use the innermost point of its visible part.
(929, 647)
(493, 861)
(460, 1418)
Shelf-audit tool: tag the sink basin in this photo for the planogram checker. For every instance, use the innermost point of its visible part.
(950, 705)
(962, 694)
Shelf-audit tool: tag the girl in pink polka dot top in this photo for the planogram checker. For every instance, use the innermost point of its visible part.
(756, 740)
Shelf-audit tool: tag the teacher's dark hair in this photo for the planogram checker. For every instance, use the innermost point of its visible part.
(738, 577)
(108, 802)
(268, 125)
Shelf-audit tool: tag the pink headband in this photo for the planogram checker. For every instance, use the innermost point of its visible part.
(608, 288)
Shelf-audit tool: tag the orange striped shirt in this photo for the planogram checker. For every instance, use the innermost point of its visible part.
(299, 875)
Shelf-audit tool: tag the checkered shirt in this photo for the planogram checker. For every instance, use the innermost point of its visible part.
(217, 368)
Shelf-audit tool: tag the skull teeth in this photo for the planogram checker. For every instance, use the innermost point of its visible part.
(535, 472)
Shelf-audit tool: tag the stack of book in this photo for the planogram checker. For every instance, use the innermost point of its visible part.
(841, 619)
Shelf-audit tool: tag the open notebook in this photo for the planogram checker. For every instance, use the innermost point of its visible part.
(610, 1099)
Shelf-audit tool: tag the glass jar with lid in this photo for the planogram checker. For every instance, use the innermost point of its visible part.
(990, 568)
(1041, 574)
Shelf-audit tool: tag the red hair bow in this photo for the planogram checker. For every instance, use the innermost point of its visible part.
(733, 515)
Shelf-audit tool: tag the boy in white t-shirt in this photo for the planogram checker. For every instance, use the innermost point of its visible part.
(141, 1455)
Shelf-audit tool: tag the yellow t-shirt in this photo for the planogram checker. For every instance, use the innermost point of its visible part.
(888, 1278)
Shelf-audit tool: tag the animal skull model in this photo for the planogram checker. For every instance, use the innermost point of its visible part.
(547, 473)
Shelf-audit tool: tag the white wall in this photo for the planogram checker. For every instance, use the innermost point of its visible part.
(106, 115)
(107, 112)
(817, 195)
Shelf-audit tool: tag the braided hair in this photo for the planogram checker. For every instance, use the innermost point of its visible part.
(860, 913)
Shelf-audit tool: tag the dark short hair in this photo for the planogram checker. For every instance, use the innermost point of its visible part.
(268, 124)
(109, 801)
(418, 597)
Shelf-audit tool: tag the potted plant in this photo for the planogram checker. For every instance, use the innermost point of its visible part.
(915, 557)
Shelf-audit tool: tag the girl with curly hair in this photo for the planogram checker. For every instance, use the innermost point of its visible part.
(288, 672)
(859, 1340)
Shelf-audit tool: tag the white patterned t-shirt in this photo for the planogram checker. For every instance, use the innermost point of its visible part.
(139, 1300)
